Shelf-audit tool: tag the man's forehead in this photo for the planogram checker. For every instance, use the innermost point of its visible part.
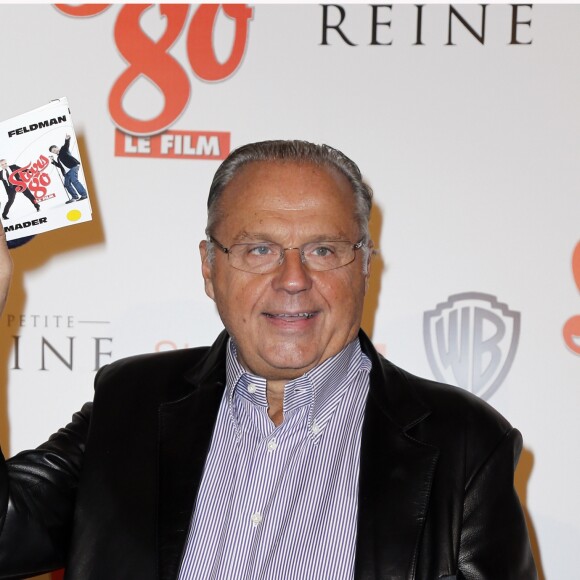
(291, 166)
(301, 199)
(287, 178)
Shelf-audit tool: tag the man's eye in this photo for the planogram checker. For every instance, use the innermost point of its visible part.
(259, 250)
(322, 251)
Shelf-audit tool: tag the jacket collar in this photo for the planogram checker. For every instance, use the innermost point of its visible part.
(390, 390)
(395, 473)
(185, 429)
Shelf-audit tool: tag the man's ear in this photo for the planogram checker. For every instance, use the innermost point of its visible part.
(206, 269)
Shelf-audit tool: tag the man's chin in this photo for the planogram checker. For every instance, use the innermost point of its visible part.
(291, 363)
(285, 366)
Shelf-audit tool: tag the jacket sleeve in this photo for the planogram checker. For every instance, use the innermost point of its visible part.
(494, 538)
(37, 499)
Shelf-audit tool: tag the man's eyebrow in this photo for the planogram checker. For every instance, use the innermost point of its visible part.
(246, 236)
(336, 237)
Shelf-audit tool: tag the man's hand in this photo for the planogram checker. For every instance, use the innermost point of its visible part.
(5, 268)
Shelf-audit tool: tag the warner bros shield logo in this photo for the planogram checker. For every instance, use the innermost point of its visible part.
(471, 341)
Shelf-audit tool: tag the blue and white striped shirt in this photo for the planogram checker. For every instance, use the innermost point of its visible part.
(282, 502)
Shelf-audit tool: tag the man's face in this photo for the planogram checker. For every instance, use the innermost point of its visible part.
(289, 204)
(55, 150)
(3, 164)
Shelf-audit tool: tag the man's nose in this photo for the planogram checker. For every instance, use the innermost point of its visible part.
(292, 275)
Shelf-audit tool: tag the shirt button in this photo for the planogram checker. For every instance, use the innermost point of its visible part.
(315, 429)
(256, 519)
(251, 388)
(272, 445)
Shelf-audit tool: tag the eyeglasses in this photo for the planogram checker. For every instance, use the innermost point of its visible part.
(265, 257)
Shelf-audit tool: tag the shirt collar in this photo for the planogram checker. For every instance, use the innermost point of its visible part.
(321, 388)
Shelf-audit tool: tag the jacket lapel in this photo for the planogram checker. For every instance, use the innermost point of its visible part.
(185, 430)
(396, 472)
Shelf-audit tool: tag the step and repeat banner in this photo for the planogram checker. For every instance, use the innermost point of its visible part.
(465, 120)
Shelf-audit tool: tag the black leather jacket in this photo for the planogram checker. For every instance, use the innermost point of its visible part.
(110, 496)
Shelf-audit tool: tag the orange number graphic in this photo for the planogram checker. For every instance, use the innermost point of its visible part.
(150, 59)
(576, 265)
(571, 329)
(200, 48)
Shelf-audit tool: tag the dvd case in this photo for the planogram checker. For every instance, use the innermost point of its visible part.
(43, 181)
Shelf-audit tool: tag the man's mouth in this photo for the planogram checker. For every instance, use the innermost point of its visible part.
(294, 316)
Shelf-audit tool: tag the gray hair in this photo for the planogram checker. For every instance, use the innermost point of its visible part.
(297, 152)
(293, 151)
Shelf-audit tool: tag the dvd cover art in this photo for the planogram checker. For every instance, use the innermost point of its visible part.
(43, 182)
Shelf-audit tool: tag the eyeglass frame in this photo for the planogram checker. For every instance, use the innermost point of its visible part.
(357, 246)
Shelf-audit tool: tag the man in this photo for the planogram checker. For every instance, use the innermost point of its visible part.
(5, 172)
(69, 166)
(290, 449)
(70, 189)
